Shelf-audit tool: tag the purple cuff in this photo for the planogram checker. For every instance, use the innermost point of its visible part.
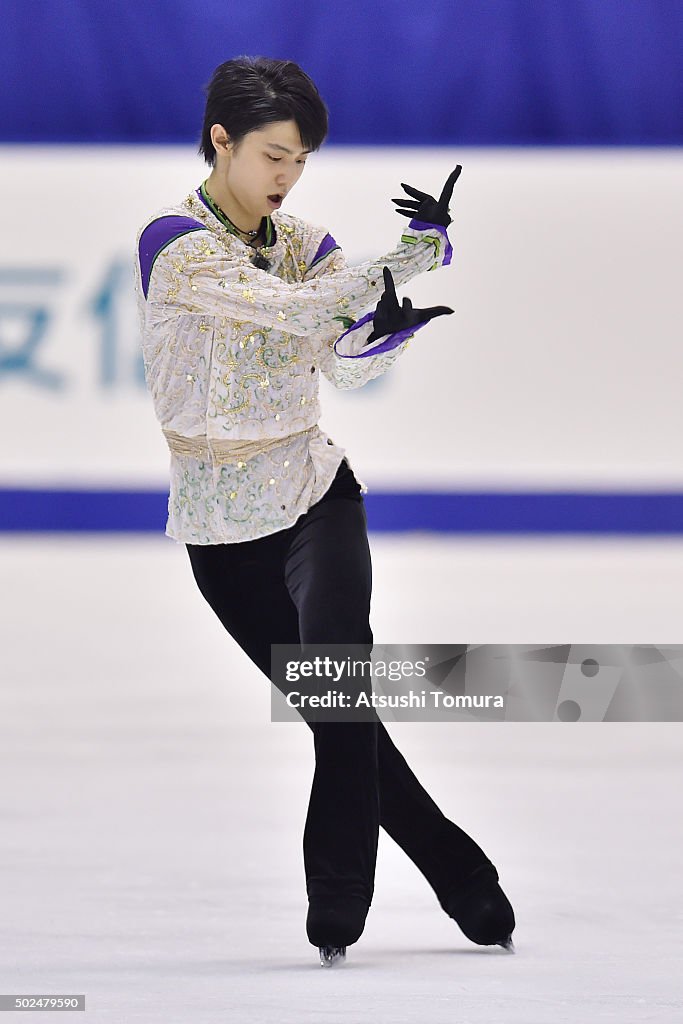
(421, 225)
(390, 342)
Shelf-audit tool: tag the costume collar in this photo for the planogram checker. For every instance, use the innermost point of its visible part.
(227, 223)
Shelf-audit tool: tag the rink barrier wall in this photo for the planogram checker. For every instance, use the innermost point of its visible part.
(550, 512)
(560, 371)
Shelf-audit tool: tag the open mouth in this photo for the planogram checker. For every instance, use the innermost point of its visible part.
(275, 199)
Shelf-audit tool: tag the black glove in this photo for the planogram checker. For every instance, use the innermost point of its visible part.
(389, 317)
(426, 208)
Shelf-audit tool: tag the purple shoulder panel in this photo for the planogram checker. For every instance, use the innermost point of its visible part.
(157, 236)
(327, 245)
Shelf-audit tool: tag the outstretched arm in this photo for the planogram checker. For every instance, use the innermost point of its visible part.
(371, 345)
(191, 275)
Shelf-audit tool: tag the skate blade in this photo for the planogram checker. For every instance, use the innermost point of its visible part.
(332, 956)
(507, 944)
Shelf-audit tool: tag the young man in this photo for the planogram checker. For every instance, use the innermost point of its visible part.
(242, 306)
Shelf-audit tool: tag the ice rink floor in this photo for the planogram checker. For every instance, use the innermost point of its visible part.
(134, 732)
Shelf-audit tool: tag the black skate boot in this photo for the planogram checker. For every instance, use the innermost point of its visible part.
(482, 910)
(333, 923)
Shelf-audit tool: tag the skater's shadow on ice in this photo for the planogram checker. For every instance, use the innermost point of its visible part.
(302, 967)
(244, 967)
(446, 952)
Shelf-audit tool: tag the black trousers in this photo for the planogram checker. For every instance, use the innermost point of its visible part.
(311, 585)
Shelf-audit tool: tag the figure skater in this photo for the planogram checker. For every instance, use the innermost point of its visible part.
(242, 306)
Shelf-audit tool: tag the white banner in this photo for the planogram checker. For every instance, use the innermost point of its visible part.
(560, 368)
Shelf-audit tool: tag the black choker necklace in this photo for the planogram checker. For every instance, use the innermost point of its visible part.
(251, 234)
(224, 214)
(258, 259)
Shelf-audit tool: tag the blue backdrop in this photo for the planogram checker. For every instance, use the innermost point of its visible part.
(469, 72)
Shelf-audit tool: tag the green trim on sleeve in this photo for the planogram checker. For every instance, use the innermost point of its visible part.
(347, 321)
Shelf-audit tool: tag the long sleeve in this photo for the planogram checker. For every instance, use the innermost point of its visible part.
(346, 360)
(192, 275)
(233, 354)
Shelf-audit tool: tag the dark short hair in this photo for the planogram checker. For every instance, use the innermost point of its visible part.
(247, 93)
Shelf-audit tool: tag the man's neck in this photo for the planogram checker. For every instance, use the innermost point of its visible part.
(235, 214)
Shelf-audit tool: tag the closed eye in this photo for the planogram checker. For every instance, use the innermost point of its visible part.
(277, 159)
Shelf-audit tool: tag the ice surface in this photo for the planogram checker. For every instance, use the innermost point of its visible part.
(151, 814)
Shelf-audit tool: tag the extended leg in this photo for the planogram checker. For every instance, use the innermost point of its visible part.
(442, 851)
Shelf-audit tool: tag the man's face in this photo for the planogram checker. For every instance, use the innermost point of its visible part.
(269, 162)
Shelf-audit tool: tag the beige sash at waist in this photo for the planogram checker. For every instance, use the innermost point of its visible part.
(224, 452)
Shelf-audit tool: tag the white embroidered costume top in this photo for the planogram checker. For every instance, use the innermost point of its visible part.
(233, 353)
